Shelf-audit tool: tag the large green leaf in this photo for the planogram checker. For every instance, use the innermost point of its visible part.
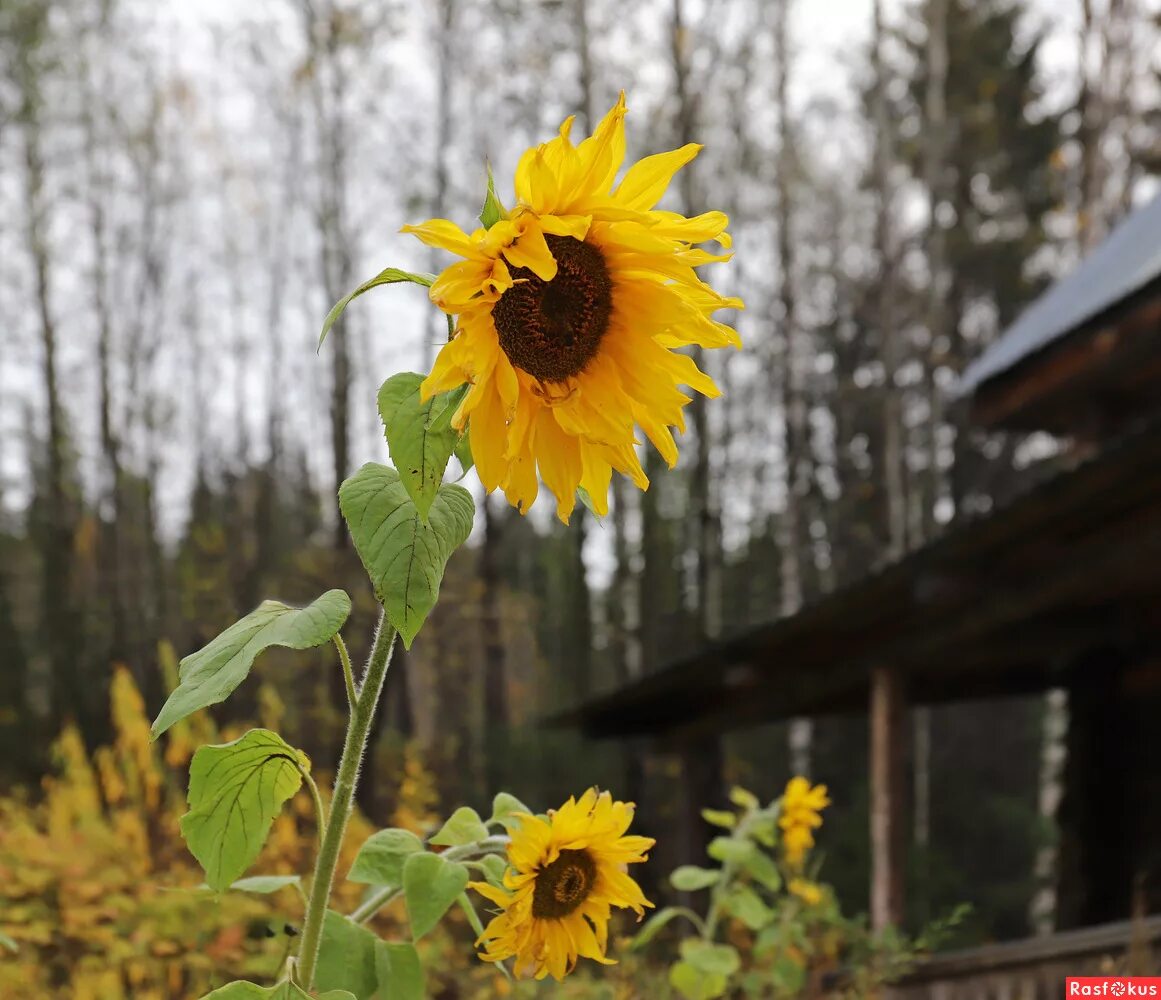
(420, 436)
(709, 957)
(694, 984)
(464, 826)
(346, 960)
(235, 791)
(505, 810)
(399, 971)
(388, 276)
(404, 557)
(283, 991)
(690, 878)
(211, 674)
(431, 884)
(380, 859)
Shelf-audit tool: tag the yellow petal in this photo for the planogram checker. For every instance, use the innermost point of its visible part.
(645, 182)
(446, 236)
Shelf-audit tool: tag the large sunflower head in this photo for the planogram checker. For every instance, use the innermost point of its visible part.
(568, 312)
(563, 877)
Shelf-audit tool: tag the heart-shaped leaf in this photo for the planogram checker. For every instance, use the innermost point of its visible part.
(380, 859)
(211, 674)
(430, 885)
(420, 436)
(399, 971)
(235, 791)
(404, 557)
(694, 984)
(705, 956)
(690, 878)
(464, 826)
(505, 810)
(346, 959)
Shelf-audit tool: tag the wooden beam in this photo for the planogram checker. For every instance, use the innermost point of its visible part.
(887, 814)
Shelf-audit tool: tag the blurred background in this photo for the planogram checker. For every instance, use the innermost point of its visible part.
(185, 189)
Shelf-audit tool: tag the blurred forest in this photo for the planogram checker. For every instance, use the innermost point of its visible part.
(185, 189)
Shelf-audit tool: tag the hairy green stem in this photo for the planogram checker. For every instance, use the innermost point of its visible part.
(320, 814)
(358, 729)
(348, 673)
(375, 903)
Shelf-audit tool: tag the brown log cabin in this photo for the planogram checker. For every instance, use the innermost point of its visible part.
(1057, 588)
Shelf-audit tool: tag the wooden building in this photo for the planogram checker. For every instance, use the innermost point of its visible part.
(1060, 588)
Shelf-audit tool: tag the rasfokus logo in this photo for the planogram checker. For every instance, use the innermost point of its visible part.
(1113, 986)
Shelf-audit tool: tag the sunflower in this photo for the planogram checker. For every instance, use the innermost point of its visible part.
(563, 876)
(799, 817)
(568, 312)
(809, 892)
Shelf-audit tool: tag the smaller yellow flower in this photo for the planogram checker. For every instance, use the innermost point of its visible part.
(563, 877)
(799, 818)
(809, 892)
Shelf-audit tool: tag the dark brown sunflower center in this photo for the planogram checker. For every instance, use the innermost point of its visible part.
(563, 885)
(552, 329)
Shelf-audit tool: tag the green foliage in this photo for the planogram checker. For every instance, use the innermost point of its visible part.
(283, 991)
(347, 960)
(767, 927)
(430, 884)
(380, 859)
(696, 984)
(464, 826)
(214, 671)
(264, 885)
(235, 792)
(399, 971)
(404, 556)
(420, 436)
(388, 276)
(690, 878)
(506, 809)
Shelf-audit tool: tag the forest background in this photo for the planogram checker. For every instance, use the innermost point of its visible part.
(185, 189)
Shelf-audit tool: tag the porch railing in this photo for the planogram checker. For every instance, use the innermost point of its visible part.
(1036, 968)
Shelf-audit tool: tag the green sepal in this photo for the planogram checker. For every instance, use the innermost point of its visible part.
(493, 210)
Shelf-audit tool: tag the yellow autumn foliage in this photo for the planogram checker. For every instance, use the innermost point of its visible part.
(99, 893)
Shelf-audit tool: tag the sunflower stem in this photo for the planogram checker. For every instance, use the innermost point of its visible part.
(342, 803)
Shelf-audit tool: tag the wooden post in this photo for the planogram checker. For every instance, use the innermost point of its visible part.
(887, 815)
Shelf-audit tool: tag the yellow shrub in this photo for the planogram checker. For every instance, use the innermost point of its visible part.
(99, 892)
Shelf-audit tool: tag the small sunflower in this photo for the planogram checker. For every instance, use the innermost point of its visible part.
(809, 892)
(568, 310)
(562, 879)
(799, 817)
